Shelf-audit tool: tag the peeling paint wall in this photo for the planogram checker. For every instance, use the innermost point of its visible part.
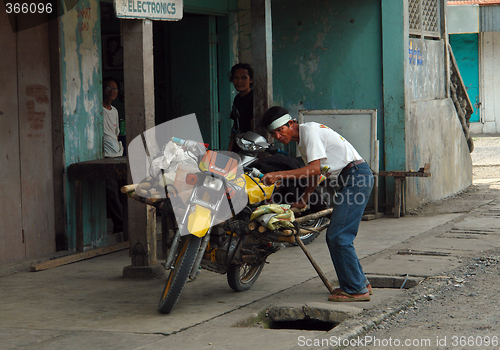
(82, 113)
(433, 130)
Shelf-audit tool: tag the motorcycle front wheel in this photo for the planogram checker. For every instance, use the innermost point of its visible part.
(242, 277)
(183, 263)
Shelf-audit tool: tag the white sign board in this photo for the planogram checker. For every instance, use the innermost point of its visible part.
(462, 19)
(358, 126)
(164, 10)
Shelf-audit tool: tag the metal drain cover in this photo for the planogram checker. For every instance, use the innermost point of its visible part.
(471, 231)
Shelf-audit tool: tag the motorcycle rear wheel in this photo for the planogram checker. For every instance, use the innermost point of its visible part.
(315, 223)
(242, 277)
(183, 263)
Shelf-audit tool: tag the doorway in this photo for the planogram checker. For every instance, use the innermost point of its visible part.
(189, 74)
(466, 51)
(185, 56)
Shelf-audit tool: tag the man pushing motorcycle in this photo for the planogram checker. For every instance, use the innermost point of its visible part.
(327, 153)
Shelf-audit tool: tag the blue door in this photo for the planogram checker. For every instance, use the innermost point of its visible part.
(466, 50)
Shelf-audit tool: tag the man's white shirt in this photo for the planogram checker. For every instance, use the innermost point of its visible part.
(317, 141)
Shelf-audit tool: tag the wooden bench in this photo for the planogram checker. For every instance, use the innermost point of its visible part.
(400, 177)
(107, 168)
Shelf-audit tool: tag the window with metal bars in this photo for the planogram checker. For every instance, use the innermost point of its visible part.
(425, 18)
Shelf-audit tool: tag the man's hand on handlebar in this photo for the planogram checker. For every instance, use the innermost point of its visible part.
(271, 178)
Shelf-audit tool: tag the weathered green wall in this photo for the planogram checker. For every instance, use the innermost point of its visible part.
(82, 113)
(327, 55)
(394, 57)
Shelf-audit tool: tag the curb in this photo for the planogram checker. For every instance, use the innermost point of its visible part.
(349, 333)
(353, 329)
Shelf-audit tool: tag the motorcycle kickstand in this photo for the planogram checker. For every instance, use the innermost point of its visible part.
(314, 264)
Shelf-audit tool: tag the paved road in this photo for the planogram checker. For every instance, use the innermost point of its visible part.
(462, 314)
(486, 150)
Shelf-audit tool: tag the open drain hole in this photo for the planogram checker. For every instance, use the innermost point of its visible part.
(304, 325)
(299, 317)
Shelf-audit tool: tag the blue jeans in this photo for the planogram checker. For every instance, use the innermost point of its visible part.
(356, 185)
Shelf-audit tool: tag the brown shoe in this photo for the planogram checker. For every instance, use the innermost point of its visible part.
(369, 287)
(345, 297)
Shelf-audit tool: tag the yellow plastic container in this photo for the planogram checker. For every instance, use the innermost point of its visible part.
(255, 193)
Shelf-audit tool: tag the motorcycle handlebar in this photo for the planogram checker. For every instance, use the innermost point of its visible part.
(254, 172)
(274, 150)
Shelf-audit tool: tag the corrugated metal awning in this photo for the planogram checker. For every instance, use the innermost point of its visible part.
(489, 18)
(474, 2)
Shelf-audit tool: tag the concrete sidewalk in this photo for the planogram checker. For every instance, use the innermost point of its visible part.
(88, 305)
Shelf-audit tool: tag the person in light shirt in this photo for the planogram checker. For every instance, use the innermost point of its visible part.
(327, 153)
(112, 148)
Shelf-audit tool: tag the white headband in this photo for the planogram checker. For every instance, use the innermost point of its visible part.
(279, 122)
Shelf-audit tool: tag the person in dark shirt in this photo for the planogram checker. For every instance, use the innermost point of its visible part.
(242, 114)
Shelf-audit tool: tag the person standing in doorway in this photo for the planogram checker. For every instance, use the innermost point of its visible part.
(327, 153)
(242, 78)
(112, 148)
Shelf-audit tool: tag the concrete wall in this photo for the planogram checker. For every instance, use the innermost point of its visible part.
(434, 135)
(82, 113)
(433, 130)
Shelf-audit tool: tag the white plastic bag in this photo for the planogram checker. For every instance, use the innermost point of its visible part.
(173, 155)
(176, 164)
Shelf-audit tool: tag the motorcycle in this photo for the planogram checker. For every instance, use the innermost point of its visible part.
(251, 144)
(211, 224)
